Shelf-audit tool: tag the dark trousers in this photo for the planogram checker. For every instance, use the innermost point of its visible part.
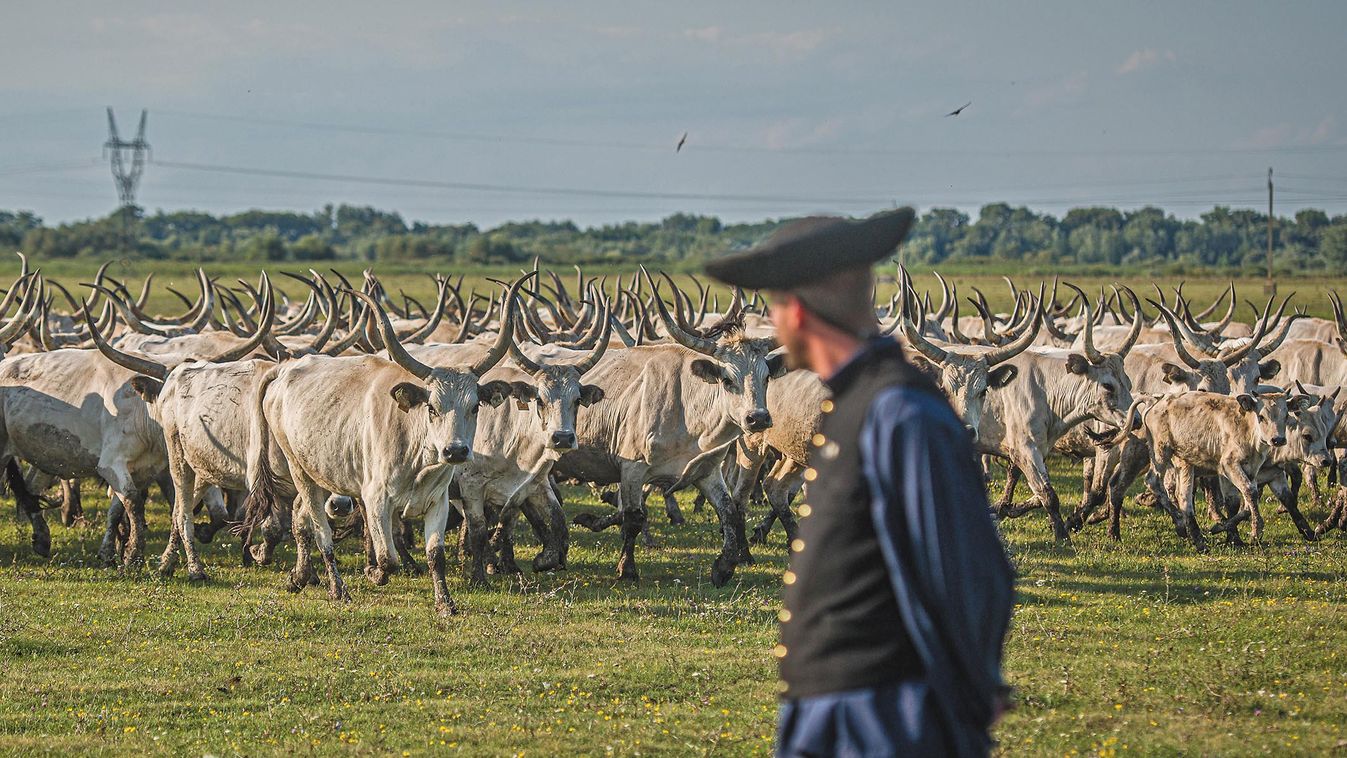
(891, 720)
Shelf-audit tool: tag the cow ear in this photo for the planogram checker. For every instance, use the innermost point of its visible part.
(707, 371)
(1001, 376)
(1077, 364)
(1175, 374)
(776, 366)
(147, 387)
(523, 391)
(493, 393)
(1247, 402)
(1300, 403)
(408, 395)
(1269, 369)
(589, 394)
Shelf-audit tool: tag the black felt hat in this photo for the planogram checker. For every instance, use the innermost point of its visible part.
(806, 250)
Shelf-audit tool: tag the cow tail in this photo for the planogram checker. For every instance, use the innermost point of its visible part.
(261, 500)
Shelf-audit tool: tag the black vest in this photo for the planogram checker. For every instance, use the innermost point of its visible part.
(841, 628)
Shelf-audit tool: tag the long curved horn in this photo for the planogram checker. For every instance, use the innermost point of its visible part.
(125, 360)
(359, 317)
(15, 327)
(954, 330)
(1137, 318)
(396, 352)
(1005, 353)
(690, 341)
(600, 347)
(1271, 345)
(989, 335)
(1091, 353)
(433, 322)
(1237, 355)
(1210, 309)
(125, 311)
(264, 321)
(506, 336)
(1176, 336)
(913, 334)
(530, 366)
(144, 296)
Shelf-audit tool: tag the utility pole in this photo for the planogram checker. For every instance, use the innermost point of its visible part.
(1269, 287)
(126, 179)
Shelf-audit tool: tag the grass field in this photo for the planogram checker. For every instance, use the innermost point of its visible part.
(1140, 648)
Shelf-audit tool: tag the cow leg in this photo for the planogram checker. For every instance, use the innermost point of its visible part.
(1286, 495)
(72, 509)
(437, 520)
(1036, 476)
(780, 488)
(1096, 488)
(698, 503)
(314, 498)
(379, 527)
(474, 514)
(544, 514)
(672, 511)
(1131, 460)
(29, 507)
(1003, 505)
(500, 541)
(273, 531)
(186, 494)
(1337, 510)
(214, 501)
(107, 550)
(631, 499)
(733, 550)
(1248, 492)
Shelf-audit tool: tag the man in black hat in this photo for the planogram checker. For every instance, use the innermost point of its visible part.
(899, 592)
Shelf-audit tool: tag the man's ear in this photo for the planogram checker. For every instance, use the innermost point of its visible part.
(408, 395)
(776, 366)
(590, 394)
(1270, 368)
(493, 393)
(1001, 376)
(1174, 374)
(707, 371)
(147, 387)
(1077, 364)
(1247, 402)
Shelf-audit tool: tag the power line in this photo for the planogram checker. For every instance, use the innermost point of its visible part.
(748, 148)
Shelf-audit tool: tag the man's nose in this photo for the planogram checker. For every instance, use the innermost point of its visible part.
(563, 440)
(758, 420)
(455, 452)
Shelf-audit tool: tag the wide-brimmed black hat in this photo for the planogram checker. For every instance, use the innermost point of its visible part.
(806, 250)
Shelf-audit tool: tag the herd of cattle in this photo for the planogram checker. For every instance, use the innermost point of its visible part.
(284, 417)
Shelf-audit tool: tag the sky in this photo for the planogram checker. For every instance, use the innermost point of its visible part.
(496, 111)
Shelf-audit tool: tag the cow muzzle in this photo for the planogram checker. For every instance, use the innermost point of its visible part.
(1278, 441)
(757, 421)
(456, 452)
(563, 440)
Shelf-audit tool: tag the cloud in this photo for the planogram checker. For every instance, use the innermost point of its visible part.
(800, 132)
(1143, 59)
(1287, 134)
(782, 45)
(1059, 90)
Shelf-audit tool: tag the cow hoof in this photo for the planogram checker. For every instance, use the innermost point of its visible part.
(295, 585)
(376, 575)
(745, 558)
(197, 575)
(544, 562)
(1074, 523)
(446, 608)
(42, 541)
(721, 571)
(626, 570)
(339, 595)
(260, 555)
(205, 534)
(759, 536)
(501, 568)
(478, 581)
(1062, 536)
(166, 570)
(588, 521)
(412, 568)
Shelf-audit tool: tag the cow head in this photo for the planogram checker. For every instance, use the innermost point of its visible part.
(1269, 417)
(1106, 386)
(1310, 421)
(738, 364)
(558, 390)
(442, 401)
(967, 377)
(1237, 369)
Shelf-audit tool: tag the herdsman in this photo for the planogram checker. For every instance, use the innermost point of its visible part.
(899, 591)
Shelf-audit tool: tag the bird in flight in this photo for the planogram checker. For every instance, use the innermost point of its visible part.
(681, 140)
(958, 110)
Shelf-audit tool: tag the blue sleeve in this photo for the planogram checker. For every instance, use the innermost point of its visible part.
(950, 573)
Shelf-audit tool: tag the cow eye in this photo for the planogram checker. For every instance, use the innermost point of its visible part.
(1110, 389)
(1308, 437)
(725, 380)
(432, 412)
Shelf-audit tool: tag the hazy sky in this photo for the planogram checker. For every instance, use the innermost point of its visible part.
(571, 110)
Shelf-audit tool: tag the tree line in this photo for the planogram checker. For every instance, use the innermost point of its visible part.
(1223, 238)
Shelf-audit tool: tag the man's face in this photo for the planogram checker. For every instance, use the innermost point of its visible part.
(788, 317)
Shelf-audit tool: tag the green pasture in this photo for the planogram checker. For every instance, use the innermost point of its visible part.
(1138, 648)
